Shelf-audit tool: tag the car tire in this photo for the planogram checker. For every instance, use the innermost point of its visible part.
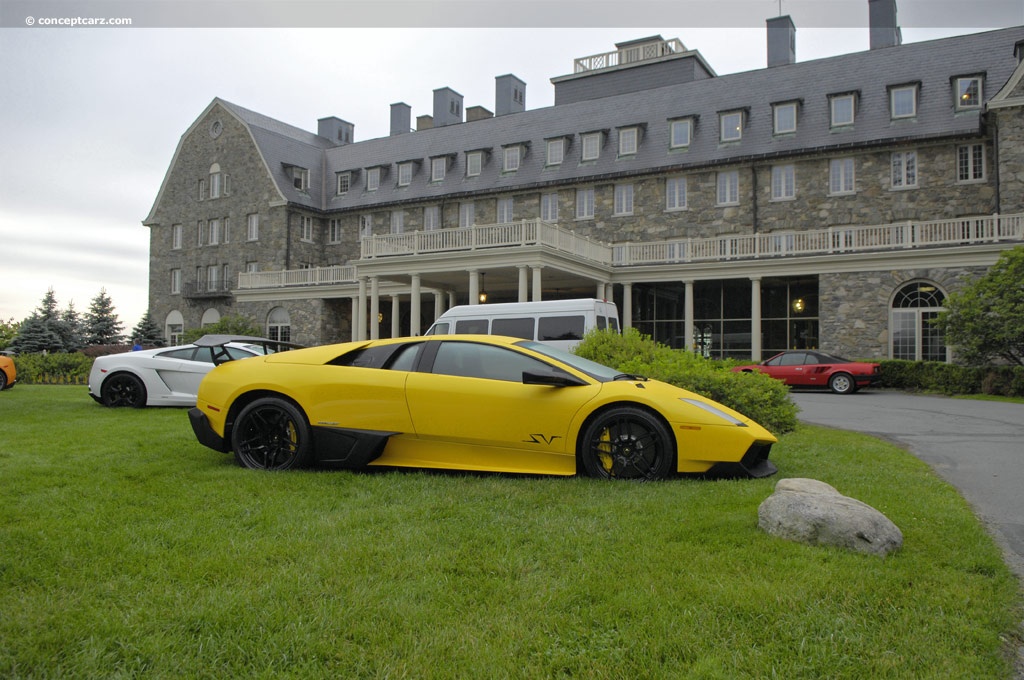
(3, 380)
(842, 383)
(271, 434)
(626, 442)
(123, 390)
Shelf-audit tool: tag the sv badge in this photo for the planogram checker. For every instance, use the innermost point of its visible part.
(541, 439)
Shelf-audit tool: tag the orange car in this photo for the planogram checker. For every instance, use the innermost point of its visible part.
(8, 374)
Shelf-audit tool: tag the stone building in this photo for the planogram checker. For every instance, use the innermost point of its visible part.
(832, 203)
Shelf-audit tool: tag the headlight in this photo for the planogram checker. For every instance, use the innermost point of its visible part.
(715, 410)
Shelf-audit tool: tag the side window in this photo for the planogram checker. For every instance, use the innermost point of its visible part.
(235, 353)
(441, 328)
(471, 326)
(561, 328)
(793, 359)
(602, 322)
(186, 353)
(516, 328)
(405, 358)
(472, 360)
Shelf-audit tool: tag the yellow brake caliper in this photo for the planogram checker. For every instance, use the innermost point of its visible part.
(604, 450)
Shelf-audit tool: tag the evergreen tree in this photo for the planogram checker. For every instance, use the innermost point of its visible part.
(36, 335)
(102, 327)
(69, 328)
(148, 333)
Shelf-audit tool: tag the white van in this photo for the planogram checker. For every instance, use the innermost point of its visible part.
(560, 323)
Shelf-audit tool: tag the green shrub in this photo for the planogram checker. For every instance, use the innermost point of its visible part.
(952, 379)
(757, 396)
(60, 368)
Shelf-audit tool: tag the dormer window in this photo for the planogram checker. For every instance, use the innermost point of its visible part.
(591, 146)
(299, 177)
(968, 93)
(843, 109)
(555, 152)
(680, 133)
(731, 126)
(511, 157)
(438, 168)
(344, 182)
(372, 179)
(404, 174)
(474, 163)
(628, 141)
(903, 101)
(784, 117)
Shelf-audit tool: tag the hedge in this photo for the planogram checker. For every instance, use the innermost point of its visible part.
(71, 368)
(952, 379)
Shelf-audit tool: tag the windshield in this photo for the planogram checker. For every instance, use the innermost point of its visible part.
(591, 368)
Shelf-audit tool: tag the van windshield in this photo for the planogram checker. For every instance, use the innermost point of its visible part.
(591, 368)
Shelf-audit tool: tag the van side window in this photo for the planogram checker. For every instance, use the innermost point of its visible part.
(440, 328)
(516, 328)
(602, 322)
(476, 326)
(561, 328)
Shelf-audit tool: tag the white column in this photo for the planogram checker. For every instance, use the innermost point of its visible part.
(414, 307)
(688, 315)
(627, 305)
(374, 319)
(355, 319)
(538, 291)
(359, 323)
(439, 298)
(755, 318)
(524, 292)
(474, 287)
(396, 309)
(452, 299)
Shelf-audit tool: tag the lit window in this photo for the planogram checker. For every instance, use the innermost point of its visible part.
(785, 118)
(680, 132)
(841, 176)
(623, 199)
(584, 203)
(970, 162)
(404, 174)
(556, 151)
(591, 146)
(904, 169)
(511, 157)
(438, 166)
(627, 141)
(968, 93)
(731, 126)
(675, 193)
(903, 101)
(344, 182)
(549, 207)
(505, 206)
(729, 188)
(373, 179)
(842, 107)
(783, 183)
(474, 162)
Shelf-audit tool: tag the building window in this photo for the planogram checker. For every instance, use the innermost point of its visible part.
(175, 281)
(438, 166)
(970, 163)
(785, 118)
(729, 188)
(474, 163)
(680, 133)
(365, 226)
(467, 214)
(841, 176)
(200, 233)
(675, 193)
(432, 217)
(226, 231)
(252, 231)
(372, 179)
(968, 93)
(623, 199)
(504, 210)
(215, 181)
(300, 178)
(202, 189)
(279, 325)
(904, 169)
(213, 278)
(214, 232)
(731, 126)
(510, 158)
(914, 336)
(903, 101)
(404, 174)
(555, 152)
(585, 203)
(549, 207)
(334, 231)
(628, 141)
(783, 183)
(176, 235)
(591, 146)
(307, 229)
(344, 182)
(843, 110)
(397, 221)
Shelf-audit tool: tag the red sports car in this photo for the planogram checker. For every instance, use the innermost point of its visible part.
(806, 368)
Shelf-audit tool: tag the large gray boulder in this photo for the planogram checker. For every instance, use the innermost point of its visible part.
(812, 512)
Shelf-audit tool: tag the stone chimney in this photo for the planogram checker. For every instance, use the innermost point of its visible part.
(447, 107)
(781, 41)
(882, 21)
(401, 118)
(509, 95)
(335, 129)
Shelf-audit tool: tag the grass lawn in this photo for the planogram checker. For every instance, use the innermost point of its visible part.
(129, 550)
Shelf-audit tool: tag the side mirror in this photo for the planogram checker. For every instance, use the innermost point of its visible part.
(552, 377)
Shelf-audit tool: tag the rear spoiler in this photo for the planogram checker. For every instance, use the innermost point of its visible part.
(269, 346)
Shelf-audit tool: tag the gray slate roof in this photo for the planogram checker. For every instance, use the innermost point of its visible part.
(930, 64)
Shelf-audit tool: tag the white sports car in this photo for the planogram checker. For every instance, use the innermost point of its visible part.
(168, 376)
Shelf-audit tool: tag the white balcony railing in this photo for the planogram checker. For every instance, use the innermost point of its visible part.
(832, 240)
(629, 55)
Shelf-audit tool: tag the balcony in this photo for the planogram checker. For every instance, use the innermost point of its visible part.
(631, 54)
(205, 290)
(311, 276)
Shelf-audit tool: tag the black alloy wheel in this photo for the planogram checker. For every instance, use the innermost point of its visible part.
(627, 442)
(123, 390)
(271, 434)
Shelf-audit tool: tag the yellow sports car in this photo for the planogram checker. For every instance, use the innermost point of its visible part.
(468, 402)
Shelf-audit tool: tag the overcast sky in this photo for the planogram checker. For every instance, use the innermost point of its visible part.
(90, 117)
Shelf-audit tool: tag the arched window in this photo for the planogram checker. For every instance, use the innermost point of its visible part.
(913, 333)
(279, 325)
(215, 183)
(174, 327)
(210, 317)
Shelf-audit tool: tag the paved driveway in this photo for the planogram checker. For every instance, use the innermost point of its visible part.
(977, 446)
